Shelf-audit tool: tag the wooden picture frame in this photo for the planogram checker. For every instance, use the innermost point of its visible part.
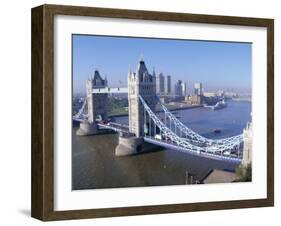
(42, 203)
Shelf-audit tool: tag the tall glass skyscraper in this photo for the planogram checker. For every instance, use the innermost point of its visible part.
(178, 88)
(183, 88)
(167, 88)
(198, 88)
(160, 83)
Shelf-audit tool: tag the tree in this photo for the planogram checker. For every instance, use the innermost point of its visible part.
(244, 172)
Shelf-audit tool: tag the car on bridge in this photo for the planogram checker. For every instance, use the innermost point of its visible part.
(158, 137)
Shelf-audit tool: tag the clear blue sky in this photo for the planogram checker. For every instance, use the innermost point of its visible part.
(218, 65)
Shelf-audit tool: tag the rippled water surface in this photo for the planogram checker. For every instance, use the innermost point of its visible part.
(94, 164)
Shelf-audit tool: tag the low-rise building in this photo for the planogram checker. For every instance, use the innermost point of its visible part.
(210, 94)
(231, 94)
(194, 99)
(220, 176)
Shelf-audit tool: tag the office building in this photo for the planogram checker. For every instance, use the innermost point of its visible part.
(167, 85)
(178, 88)
(183, 88)
(160, 83)
(194, 99)
(198, 88)
(210, 94)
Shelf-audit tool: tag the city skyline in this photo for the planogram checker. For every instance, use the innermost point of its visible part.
(217, 65)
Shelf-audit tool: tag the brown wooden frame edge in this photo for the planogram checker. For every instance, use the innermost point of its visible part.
(42, 197)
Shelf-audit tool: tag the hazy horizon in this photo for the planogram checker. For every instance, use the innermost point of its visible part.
(217, 65)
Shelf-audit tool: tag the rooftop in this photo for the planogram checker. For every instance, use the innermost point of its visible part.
(220, 176)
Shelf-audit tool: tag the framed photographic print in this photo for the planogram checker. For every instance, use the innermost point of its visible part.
(141, 112)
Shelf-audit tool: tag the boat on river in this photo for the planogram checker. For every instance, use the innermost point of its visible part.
(219, 105)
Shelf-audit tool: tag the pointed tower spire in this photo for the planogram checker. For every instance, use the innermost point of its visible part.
(105, 80)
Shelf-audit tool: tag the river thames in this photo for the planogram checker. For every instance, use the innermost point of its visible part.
(94, 164)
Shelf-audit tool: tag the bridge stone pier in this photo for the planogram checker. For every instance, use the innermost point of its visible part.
(97, 105)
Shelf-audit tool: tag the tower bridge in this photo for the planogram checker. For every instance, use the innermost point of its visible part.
(145, 128)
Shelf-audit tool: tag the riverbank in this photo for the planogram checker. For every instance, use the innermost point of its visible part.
(169, 107)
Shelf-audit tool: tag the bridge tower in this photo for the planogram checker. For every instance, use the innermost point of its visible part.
(247, 147)
(140, 83)
(97, 105)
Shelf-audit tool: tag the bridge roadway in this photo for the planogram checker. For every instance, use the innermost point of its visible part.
(169, 145)
(173, 146)
(121, 128)
(110, 90)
